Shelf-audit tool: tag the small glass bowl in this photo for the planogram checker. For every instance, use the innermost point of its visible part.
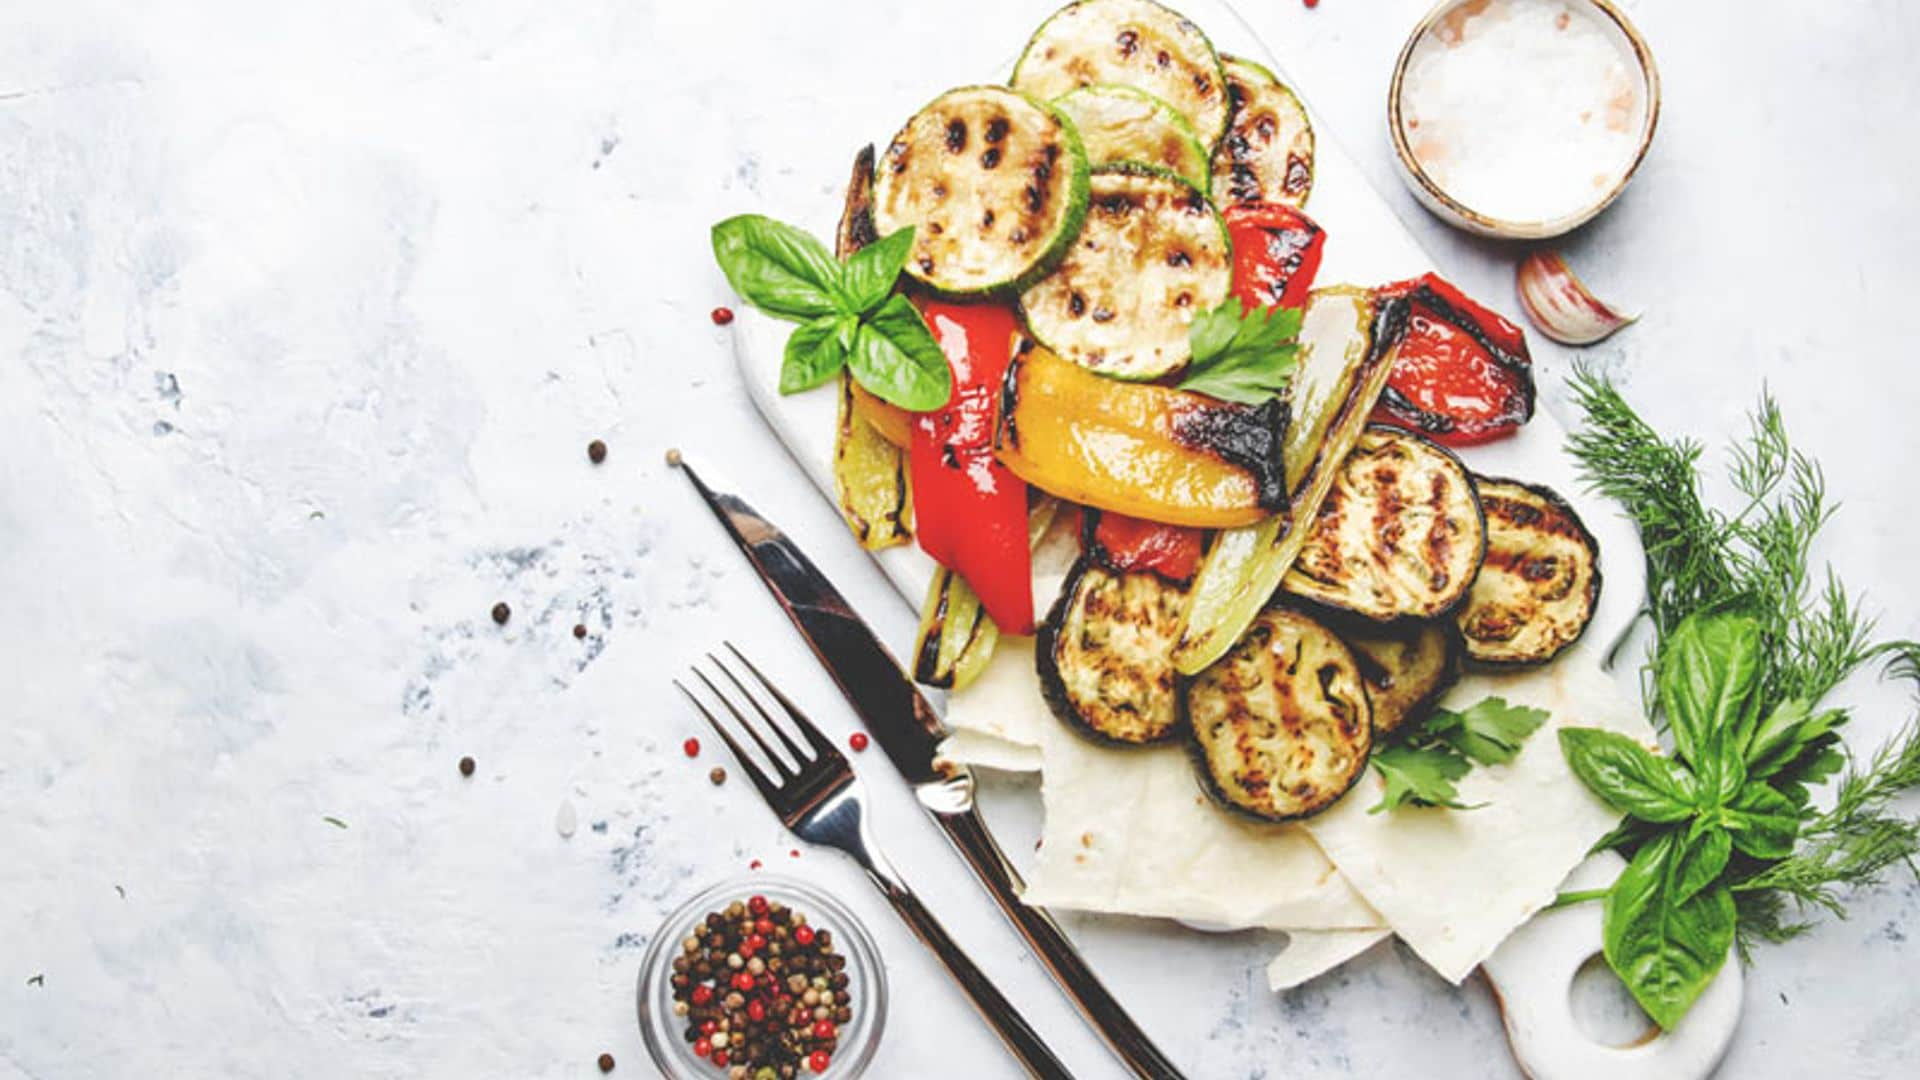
(866, 977)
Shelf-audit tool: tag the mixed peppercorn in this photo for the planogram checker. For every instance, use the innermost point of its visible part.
(762, 993)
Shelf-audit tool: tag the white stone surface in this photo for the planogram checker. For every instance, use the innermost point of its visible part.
(307, 313)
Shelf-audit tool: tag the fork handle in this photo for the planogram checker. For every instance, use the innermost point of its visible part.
(1007, 1022)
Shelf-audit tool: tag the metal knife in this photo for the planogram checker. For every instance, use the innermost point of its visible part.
(910, 732)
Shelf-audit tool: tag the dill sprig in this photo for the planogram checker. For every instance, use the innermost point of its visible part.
(1757, 560)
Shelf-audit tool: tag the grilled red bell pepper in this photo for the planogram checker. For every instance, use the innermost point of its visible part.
(970, 511)
(1463, 374)
(1131, 544)
(1276, 253)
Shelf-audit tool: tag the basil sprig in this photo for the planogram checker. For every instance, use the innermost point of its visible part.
(848, 313)
(1729, 801)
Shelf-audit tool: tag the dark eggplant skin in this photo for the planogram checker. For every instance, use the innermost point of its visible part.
(1572, 527)
(1362, 735)
(1051, 648)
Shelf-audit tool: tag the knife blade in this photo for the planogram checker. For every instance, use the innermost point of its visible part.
(909, 731)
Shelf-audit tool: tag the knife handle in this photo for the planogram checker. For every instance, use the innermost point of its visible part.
(970, 837)
(987, 999)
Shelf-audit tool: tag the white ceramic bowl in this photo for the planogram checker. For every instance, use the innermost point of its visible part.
(1454, 210)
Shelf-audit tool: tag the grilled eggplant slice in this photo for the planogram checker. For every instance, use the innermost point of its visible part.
(1131, 43)
(1281, 724)
(1147, 451)
(1121, 123)
(1405, 667)
(1399, 535)
(1151, 256)
(1348, 339)
(1267, 155)
(1539, 583)
(1103, 654)
(993, 182)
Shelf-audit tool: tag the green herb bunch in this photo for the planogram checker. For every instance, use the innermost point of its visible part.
(1421, 766)
(848, 313)
(1723, 836)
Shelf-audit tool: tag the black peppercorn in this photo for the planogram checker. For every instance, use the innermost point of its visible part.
(501, 613)
(596, 451)
(466, 766)
(606, 1063)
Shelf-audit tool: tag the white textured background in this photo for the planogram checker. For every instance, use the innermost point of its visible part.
(307, 312)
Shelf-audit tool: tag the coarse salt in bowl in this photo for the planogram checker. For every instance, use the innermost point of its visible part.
(1522, 118)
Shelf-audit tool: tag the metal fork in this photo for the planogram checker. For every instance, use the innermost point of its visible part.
(820, 800)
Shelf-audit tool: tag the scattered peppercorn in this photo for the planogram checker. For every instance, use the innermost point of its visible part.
(466, 766)
(580, 630)
(691, 747)
(501, 613)
(606, 1063)
(858, 740)
(718, 776)
(722, 316)
(759, 992)
(596, 451)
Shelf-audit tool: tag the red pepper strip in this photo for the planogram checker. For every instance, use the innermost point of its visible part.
(1131, 544)
(1463, 374)
(970, 511)
(1276, 253)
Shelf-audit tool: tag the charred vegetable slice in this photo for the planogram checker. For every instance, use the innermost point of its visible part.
(1131, 43)
(1347, 344)
(869, 470)
(1399, 534)
(1281, 724)
(957, 637)
(1147, 451)
(1405, 667)
(1540, 581)
(1151, 256)
(993, 182)
(1121, 123)
(1267, 155)
(1103, 654)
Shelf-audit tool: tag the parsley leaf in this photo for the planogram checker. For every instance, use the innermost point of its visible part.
(1419, 776)
(1490, 731)
(1240, 355)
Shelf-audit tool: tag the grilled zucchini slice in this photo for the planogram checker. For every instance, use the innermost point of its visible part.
(1152, 255)
(1267, 155)
(993, 182)
(1539, 583)
(1281, 724)
(1405, 667)
(1103, 654)
(1121, 123)
(1131, 43)
(1399, 535)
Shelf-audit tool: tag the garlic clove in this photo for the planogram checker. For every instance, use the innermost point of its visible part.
(1560, 305)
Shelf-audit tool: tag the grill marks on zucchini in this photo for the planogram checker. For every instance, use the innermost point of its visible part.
(1129, 43)
(1267, 154)
(1281, 724)
(1399, 534)
(1104, 654)
(995, 184)
(1120, 123)
(1151, 256)
(1405, 668)
(1539, 583)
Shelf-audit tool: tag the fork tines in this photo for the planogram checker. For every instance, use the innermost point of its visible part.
(816, 757)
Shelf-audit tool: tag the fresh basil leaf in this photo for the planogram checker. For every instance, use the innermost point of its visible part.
(1628, 777)
(895, 356)
(1819, 763)
(1703, 857)
(1785, 735)
(1490, 731)
(1241, 355)
(778, 268)
(1664, 948)
(1420, 777)
(816, 352)
(1709, 666)
(1764, 822)
(866, 279)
